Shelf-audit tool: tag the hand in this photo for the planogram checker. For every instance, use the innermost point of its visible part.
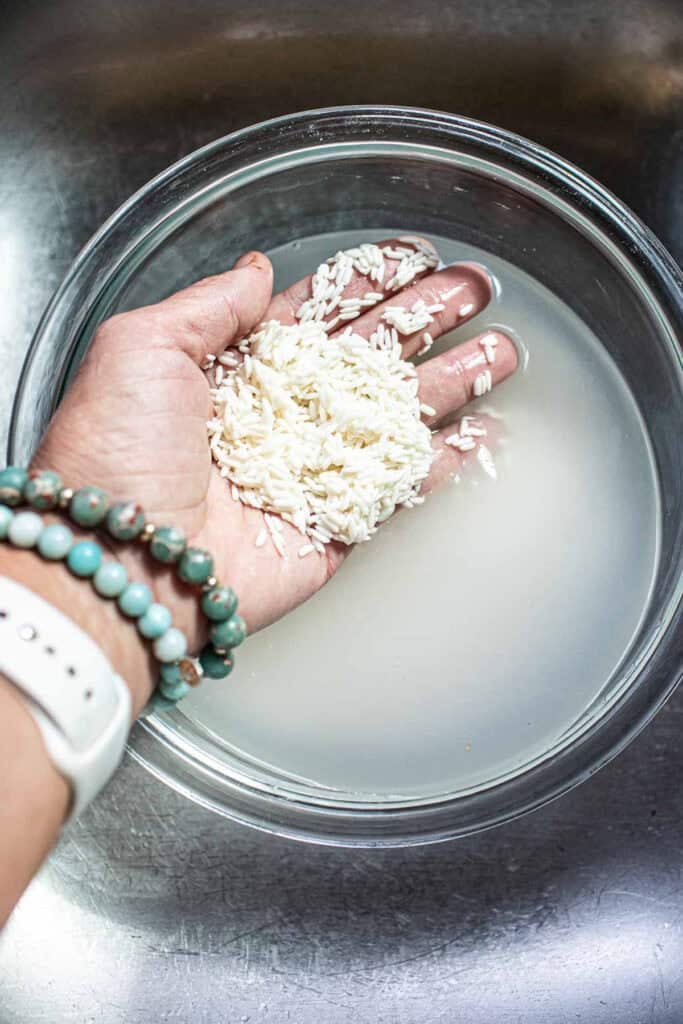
(134, 423)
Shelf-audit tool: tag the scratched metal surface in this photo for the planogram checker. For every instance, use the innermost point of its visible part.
(151, 909)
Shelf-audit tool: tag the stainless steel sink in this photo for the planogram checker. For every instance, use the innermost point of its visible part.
(152, 909)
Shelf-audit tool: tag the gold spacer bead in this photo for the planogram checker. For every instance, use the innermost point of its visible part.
(191, 671)
(65, 496)
(148, 532)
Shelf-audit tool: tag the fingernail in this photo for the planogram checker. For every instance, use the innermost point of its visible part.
(249, 259)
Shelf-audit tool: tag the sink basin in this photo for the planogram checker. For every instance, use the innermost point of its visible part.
(97, 98)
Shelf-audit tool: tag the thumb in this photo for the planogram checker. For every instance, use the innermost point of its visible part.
(213, 313)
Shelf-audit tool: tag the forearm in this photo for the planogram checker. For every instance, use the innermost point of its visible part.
(34, 797)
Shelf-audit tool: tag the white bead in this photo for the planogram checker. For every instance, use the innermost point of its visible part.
(25, 529)
(171, 646)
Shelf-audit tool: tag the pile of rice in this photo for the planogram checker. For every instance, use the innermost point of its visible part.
(324, 432)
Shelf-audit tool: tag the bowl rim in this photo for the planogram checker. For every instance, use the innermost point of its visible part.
(392, 826)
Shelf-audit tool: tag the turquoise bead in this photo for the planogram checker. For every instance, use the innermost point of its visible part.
(219, 603)
(171, 673)
(84, 558)
(55, 541)
(174, 691)
(186, 670)
(167, 544)
(88, 507)
(195, 565)
(25, 529)
(228, 634)
(111, 579)
(125, 520)
(155, 621)
(6, 516)
(12, 482)
(215, 665)
(135, 600)
(42, 489)
(157, 702)
(171, 646)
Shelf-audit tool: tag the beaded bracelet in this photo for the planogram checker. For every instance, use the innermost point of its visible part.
(125, 522)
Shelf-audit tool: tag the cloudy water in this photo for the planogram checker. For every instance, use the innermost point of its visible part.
(472, 632)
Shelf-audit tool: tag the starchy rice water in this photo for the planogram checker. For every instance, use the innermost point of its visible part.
(472, 632)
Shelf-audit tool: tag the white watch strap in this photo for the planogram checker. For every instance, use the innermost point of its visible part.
(81, 706)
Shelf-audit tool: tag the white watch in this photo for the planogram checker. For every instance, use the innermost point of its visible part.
(80, 705)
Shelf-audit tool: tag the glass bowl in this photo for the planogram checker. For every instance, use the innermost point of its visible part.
(347, 169)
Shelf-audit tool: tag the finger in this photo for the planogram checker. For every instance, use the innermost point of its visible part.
(464, 372)
(436, 304)
(211, 314)
(398, 256)
(459, 448)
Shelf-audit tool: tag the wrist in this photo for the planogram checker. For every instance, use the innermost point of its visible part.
(167, 589)
(179, 598)
(118, 639)
(203, 609)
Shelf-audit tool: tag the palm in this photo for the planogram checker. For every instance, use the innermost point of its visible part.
(157, 451)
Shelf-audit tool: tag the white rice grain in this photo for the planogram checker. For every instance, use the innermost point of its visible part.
(471, 427)
(486, 462)
(483, 383)
(427, 342)
(278, 544)
(228, 358)
(488, 344)
(463, 444)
